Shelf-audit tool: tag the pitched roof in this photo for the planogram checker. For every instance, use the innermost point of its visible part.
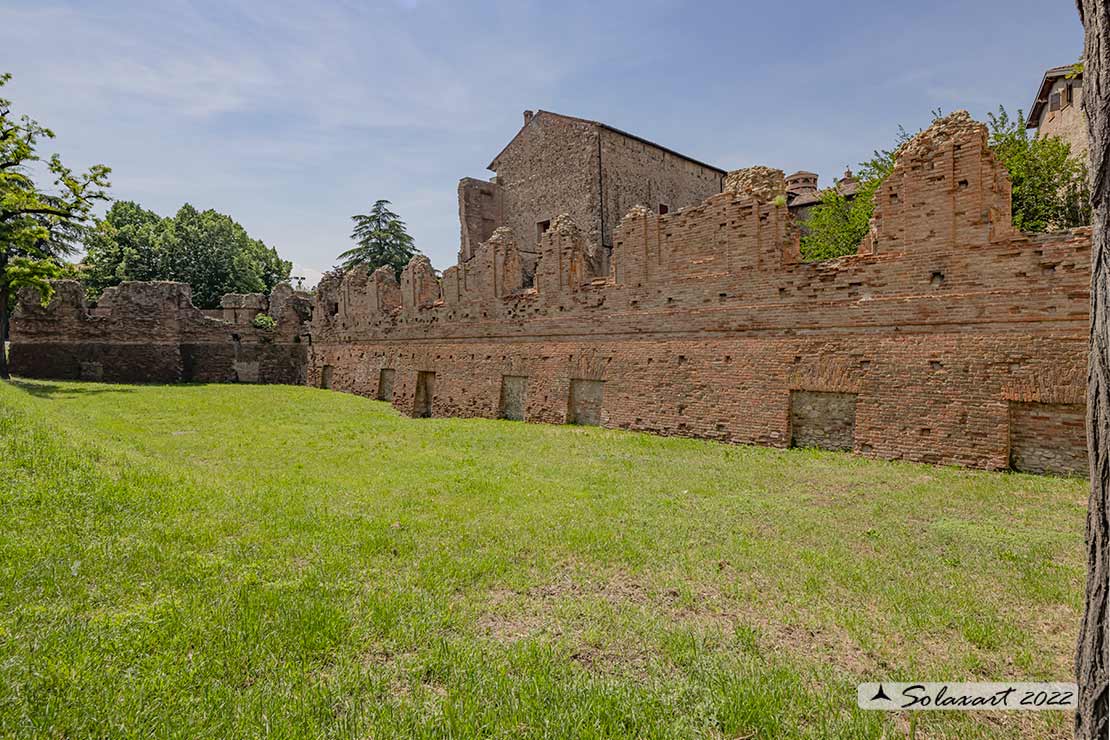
(1050, 76)
(607, 127)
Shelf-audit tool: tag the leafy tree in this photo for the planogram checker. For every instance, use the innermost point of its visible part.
(1049, 185)
(381, 240)
(206, 249)
(124, 245)
(838, 223)
(1049, 189)
(37, 227)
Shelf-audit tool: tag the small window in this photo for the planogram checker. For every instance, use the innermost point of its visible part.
(1054, 102)
(664, 209)
(1066, 100)
(541, 228)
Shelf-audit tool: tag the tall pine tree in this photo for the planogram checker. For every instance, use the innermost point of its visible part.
(381, 240)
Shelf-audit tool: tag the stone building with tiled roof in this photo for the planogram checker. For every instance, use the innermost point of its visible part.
(590, 171)
(1057, 109)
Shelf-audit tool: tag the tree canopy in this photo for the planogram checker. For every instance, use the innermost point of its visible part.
(206, 249)
(838, 223)
(1049, 189)
(381, 239)
(37, 226)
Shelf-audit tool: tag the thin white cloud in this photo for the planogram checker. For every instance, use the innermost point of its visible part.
(304, 277)
(237, 104)
(291, 115)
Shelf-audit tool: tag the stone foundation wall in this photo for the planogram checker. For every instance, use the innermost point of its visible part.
(1048, 437)
(936, 398)
(823, 419)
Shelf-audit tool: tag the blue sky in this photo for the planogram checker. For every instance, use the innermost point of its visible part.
(291, 116)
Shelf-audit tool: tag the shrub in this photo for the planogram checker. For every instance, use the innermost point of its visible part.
(264, 321)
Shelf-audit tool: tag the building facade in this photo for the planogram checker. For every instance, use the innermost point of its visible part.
(1058, 108)
(589, 171)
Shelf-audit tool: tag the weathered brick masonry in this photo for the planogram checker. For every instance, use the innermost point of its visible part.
(151, 332)
(949, 338)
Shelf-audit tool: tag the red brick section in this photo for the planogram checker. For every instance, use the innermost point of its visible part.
(949, 338)
(151, 333)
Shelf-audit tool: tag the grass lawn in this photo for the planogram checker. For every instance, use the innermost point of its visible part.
(244, 561)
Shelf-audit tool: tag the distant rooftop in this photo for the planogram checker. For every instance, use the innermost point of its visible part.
(615, 130)
(1050, 76)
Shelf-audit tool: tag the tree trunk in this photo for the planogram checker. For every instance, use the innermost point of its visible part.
(3, 320)
(1091, 656)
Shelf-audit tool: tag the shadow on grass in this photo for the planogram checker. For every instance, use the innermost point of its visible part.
(52, 390)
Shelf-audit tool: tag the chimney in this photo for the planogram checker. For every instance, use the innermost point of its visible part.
(527, 117)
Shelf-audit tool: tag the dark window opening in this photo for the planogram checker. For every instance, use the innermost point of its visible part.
(1054, 102)
(664, 209)
(385, 384)
(425, 394)
(513, 391)
(541, 228)
(584, 403)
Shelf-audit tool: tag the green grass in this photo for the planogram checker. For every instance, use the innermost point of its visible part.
(246, 561)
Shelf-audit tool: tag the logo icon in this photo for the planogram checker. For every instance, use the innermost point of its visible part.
(880, 694)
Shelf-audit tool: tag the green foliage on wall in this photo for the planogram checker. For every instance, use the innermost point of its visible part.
(837, 224)
(1049, 189)
(206, 249)
(264, 321)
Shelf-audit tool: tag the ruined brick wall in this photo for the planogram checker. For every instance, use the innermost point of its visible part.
(636, 173)
(949, 338)
(481, 212)
(151, 332)
(419, 284)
